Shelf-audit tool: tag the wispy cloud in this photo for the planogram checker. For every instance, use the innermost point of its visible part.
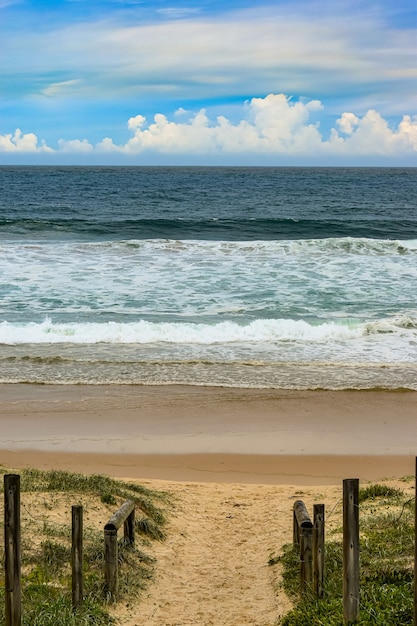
(274, 125)
(234, 54)
(178, 13)
(62, 89)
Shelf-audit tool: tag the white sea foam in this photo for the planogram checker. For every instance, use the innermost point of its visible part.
(144, 332)
(146, 279)
(311, 301)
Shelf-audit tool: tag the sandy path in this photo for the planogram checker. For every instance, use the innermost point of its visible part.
(213, 568)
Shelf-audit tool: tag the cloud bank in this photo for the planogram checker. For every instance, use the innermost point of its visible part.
(273, 126)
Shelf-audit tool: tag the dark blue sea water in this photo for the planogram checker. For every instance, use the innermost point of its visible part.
(260, 277)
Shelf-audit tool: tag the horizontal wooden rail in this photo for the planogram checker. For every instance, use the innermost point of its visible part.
(124, 515)
(120, 516)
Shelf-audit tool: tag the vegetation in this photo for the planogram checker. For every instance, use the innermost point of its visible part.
(386, 566)
(46, 502)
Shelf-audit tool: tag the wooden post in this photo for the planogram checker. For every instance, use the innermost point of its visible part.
(318, 549)
(111, 578)
(350, 550)
(306, 556)
(12, 550)
(415, 545)
(129, 529)
(295, 531)
(304, 534)
(77, 556)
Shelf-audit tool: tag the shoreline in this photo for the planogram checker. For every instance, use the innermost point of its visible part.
(210, 434)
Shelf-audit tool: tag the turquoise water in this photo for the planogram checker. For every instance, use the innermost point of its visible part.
(255, 277)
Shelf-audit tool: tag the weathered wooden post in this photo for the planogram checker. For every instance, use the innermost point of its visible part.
(306, 551)
(295, 530)
(305, 527)
(126, 516)
(129, 528)
(350, 550)
(12, 550)
(318, 549)
(77, 556)
(111, 578)
(415, 545)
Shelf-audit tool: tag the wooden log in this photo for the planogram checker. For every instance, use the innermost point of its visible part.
(318, 549)
(77, 556)
(111, 577)
(350, 550)
(13, 591)
(120, 516)
(301, 515)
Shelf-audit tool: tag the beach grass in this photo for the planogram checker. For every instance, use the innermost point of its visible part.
(46, 500)
(386, 566)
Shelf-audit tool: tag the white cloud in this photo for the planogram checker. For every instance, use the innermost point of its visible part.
(19, 142)
(371, 134)
(181, 111)
(273, 126)
(75, 145)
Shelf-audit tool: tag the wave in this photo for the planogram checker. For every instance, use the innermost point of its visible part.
(206, 229)
(144, 332)
(363, 246)
(347, 245)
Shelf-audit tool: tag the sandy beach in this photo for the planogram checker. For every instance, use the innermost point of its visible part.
(210, 433)
(234, 459)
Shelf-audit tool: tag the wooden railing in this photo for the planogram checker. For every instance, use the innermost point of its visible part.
(309, 540)
(126, 516)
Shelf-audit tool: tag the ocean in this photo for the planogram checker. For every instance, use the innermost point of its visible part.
(288, 278)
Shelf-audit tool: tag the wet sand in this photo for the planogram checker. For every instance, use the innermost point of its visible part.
(210, 434)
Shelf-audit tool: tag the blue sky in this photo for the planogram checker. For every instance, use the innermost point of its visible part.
(210, 82)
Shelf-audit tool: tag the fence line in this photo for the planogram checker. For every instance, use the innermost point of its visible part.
(307, 536)
(310, 539)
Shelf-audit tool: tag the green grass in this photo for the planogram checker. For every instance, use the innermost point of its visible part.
(46, 561)
(379, 491)
(386, 567)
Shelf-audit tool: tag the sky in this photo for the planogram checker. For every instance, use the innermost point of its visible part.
(243, 82)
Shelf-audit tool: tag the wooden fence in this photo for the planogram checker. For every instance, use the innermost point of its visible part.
(308, 538)
(126, 516)
(12, 532)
